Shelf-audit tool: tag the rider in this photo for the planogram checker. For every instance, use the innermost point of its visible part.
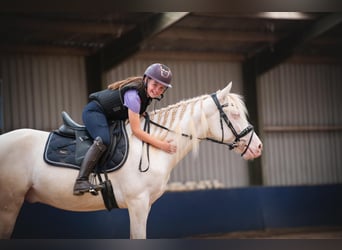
(123, 99)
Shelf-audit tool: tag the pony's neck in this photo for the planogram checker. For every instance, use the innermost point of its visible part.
(187, 122)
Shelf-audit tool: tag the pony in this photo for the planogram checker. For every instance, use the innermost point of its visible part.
(24, 175)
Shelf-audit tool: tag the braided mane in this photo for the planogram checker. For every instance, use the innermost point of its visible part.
(187, 117)
(180, 118)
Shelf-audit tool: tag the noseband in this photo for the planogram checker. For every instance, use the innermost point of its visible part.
(223, 117)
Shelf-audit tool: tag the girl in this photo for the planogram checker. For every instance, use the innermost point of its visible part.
(125, 99)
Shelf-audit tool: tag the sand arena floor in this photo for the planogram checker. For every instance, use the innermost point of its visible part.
(297, 233)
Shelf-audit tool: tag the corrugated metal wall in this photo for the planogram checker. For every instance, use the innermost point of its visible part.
(300, 109)
(300, 117)
(35, 89)
(190, 79)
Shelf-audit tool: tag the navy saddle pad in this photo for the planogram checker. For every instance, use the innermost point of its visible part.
(68, 150)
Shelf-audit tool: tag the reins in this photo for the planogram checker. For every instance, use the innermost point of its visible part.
(147, 129)
(147, 117)
(223, 118)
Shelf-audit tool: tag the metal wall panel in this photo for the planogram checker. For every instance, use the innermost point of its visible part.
(190, 79)
(299, 105)
(37, 88)
(300, 108)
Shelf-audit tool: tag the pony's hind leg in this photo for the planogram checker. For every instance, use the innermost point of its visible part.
(9, 210)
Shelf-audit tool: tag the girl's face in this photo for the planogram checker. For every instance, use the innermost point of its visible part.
(155, 89)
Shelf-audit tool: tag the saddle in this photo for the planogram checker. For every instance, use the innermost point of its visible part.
(67, 146)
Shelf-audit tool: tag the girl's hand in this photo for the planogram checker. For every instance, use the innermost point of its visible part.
(168, 147)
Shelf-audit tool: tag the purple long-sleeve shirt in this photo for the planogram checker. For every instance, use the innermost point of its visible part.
(132, 100)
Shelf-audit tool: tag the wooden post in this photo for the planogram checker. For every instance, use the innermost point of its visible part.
(250, 94)
(93, 73)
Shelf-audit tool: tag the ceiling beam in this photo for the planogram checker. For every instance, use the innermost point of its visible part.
(130, 42)
(11, 23)
(190, 55)
(218, 35)
(125, 46)
(43, 50)
(258, 15)
(271, 56)
(175, 34)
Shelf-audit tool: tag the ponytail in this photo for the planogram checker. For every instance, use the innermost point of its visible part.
(122, 83)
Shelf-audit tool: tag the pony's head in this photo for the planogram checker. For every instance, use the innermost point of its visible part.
(229, 124)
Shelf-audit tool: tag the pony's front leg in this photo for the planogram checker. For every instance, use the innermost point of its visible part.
(138, 212)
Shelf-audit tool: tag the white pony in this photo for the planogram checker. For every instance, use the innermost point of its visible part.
(24, 175)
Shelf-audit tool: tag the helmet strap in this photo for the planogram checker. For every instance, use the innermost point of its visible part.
(145, 81)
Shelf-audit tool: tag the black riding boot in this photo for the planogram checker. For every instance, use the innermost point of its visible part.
(92, 156)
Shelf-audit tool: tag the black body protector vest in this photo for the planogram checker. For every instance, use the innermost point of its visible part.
(112, 101)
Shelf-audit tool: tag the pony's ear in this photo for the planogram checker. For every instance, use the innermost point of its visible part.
(224, 92)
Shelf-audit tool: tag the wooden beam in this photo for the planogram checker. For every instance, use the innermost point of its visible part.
(236, 36)
(190, 55)
(93, 73)
(249, 76)
(69, 26)
(274, 55)
(317, 59)
(256, 15)
(130, 42)
(218, 35)
(43, 50)
(292, 129)
(123, 47)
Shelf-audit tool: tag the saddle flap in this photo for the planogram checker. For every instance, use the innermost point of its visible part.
(83, 143)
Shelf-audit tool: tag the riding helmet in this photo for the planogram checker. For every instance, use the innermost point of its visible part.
(160, 73)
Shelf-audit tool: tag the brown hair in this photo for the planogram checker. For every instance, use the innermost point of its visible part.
(121, 83)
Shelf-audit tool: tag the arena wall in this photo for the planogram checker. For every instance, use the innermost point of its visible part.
(191, 213)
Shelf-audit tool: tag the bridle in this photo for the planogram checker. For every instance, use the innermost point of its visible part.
(223, 118)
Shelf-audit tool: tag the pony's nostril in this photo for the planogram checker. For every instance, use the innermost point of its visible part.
(260, 146)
